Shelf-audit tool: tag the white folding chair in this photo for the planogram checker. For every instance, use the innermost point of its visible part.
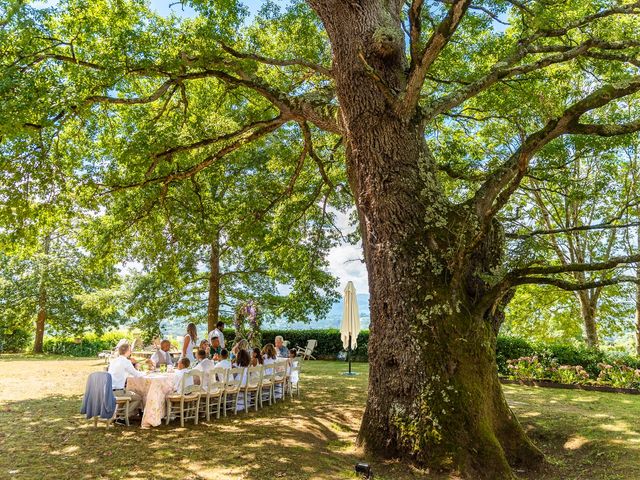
(253, 388)
(293, 378)
(268, 374)
(279, 378)
(215, 384)
(186, 401)
(307, 352)
(232, 389)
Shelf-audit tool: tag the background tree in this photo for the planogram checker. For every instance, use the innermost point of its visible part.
(576, 210)
(435, 252)
(48, 277)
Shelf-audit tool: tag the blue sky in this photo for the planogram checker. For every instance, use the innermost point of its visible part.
(163, 8)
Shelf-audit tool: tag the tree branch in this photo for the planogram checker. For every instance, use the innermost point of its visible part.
(612, 263)
(605, 130)
(193, 170)
(574, 286)
(497, 190)
(277, 62)
(309, 142)
(581, 228)
(415, 30)
(436, 43)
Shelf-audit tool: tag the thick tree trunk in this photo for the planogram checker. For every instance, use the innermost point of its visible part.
(41, 319)
(434, 394)
(213, 306)
(638, 312)
(588, 309)
(638, 297)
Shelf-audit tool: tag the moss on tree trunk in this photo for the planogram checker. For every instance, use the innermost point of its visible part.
(434, 394)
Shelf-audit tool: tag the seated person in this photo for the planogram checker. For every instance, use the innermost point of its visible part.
(256, 357)
(120, 369)
(242, 360)
(183, 367)
(204, 365)
(281, 350)
(241, 345)
(162, 356)
(215, 348)
(269, 357)
(293, 376)
(204, 345)
(224, 359)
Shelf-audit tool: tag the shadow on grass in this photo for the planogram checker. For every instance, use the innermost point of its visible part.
(307, 438)
(584, 435)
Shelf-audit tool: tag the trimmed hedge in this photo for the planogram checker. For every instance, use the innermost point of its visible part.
(89, 345)
(328, 348)
(329, 342)
(330, 345)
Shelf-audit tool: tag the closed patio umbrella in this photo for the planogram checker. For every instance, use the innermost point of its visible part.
(350, 327)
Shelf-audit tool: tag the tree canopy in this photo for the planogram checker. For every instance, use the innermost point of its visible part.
(472, 138)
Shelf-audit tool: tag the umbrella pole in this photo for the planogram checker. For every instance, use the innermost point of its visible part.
(349, 353)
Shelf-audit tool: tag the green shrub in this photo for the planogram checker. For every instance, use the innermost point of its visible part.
(88, 345)
(329, 341)
(511, 348)
(330, 346)
(619, 376)
(14, 337)
(526, 368)
(569, 374)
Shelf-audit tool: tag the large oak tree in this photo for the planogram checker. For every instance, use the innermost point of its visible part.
(406, 87)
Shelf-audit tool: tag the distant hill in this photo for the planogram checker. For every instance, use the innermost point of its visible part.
(332, 320)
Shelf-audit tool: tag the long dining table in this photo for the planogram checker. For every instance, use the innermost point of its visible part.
(153, 388)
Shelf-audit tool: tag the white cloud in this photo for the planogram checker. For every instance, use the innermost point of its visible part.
(345, 261)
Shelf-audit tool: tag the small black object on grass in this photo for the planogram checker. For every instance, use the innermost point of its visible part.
(364, 469)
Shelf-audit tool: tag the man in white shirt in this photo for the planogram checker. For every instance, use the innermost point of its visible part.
(162, 356)
(217, 332)
(120, 368)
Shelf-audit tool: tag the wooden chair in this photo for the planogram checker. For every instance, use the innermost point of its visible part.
(253, 387)
(186, 401)
(121, 413)
(122, 408)
(306, 352)
(280, 378)
(232, 389)
(268, 375)
(214, 392)
(293, 378)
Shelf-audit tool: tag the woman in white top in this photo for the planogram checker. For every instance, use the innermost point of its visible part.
(189, 343)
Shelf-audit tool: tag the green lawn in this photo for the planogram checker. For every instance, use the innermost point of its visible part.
(585, 435)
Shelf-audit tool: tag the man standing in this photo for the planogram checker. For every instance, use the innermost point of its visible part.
(120, 368)
(217, 332)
